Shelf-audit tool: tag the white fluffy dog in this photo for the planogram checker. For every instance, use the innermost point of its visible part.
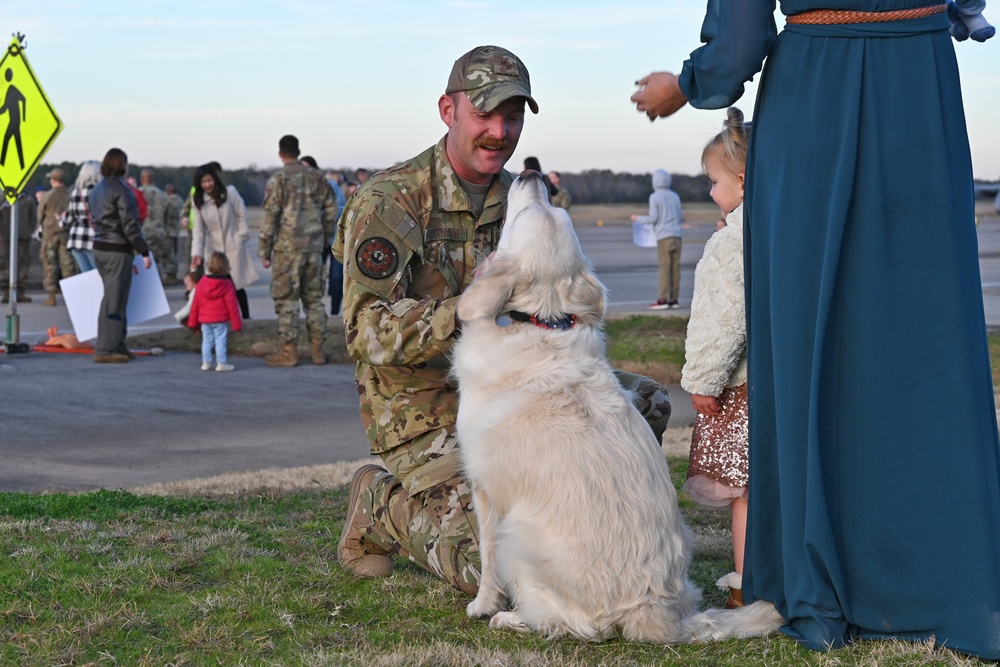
(579, 530)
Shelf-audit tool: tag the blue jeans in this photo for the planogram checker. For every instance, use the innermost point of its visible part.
(214, 334)
(84, 259)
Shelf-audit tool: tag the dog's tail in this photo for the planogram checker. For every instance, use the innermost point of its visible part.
(754, 620)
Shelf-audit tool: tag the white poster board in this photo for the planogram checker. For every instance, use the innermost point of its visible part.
(83, 294)
(642, 235)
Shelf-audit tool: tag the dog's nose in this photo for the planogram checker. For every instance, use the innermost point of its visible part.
(529, 173)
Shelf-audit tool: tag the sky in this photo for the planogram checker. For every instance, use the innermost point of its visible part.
(186, 82)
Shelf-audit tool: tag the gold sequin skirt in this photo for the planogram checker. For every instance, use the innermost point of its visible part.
(717, 469)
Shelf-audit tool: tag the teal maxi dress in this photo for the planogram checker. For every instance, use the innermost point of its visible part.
(874, 473)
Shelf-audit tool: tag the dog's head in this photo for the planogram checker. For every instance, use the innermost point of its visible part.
(539, 267)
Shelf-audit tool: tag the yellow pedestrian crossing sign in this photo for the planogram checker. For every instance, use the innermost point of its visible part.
(28, 123)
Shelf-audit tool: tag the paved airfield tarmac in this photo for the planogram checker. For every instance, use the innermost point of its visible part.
(68, 424)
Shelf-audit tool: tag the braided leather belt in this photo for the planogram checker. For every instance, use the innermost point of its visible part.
(843, 16)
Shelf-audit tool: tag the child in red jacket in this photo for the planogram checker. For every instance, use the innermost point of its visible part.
(213, 307)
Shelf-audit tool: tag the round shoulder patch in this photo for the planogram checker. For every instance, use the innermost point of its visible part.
(377, 258)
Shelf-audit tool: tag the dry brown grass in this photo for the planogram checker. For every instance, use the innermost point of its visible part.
(267, 481)
(618, 214)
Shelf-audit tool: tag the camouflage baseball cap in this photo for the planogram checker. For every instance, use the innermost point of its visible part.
(490, 75)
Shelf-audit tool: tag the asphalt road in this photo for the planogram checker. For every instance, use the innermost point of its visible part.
(69, 424)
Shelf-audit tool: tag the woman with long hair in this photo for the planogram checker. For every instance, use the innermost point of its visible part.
(221, 225)
(77, 216)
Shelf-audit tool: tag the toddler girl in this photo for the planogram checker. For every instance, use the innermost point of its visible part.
(213, 307)
(191, 279)
(715, 371)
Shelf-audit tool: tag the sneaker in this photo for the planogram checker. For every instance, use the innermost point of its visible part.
(222, 368)
(206, 366)
(659, 305)
(355, 556)
(673, 304)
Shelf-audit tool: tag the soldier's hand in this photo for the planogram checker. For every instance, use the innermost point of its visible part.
(266, 263)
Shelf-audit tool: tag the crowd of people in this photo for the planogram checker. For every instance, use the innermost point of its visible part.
(301, 207)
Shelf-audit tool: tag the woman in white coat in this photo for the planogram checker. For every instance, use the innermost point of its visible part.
(221, 224)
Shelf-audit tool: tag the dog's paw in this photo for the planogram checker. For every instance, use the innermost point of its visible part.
(484, 606)
(509, 620)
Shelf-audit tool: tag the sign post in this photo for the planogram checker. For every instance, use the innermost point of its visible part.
(28, 127)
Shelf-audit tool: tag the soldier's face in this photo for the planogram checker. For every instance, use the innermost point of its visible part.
(479, 142)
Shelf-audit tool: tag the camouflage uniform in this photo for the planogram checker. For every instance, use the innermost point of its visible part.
(156, 230)
(173, 214)
(186, 220)
(27, 222)
(410, 242)
(56, 255)
(562, 199)
(300, 214)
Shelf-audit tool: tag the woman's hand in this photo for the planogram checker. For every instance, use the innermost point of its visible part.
(195, 262)
(660, 95)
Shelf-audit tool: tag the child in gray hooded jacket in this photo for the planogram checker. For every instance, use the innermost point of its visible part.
(666, 217)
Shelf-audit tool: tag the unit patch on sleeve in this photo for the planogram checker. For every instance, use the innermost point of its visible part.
(377, 258)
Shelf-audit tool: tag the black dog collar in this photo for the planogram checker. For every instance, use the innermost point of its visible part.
(564, 323)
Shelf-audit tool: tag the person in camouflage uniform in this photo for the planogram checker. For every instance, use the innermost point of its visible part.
(173, 215)
(300, 215)
(156, 229)
(55, 236)
(410, 240)
(27, 223)
(558, 195)
(187, 222)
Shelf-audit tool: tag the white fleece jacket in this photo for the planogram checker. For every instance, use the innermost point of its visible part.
(716, 344)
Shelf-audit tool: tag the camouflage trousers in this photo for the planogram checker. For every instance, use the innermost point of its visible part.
(295, 277)
(23, 262)
(186, 253)
(421, 508)
(164, 251)
(57, 260)
(433, 526)
(651, 400)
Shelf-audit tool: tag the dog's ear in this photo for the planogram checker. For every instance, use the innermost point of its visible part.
(489, 292)
(586, 298)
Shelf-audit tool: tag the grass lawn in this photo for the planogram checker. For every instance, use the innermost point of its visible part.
(249, 577)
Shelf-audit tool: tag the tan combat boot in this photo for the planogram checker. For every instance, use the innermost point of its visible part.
(51, 301)
(354, 554)
(317, 353)
(288, 356)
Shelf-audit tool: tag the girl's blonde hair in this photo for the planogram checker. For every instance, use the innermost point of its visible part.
(218, 264)
(733, 140)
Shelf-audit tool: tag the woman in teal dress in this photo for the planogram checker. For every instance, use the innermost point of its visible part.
(874, 465)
